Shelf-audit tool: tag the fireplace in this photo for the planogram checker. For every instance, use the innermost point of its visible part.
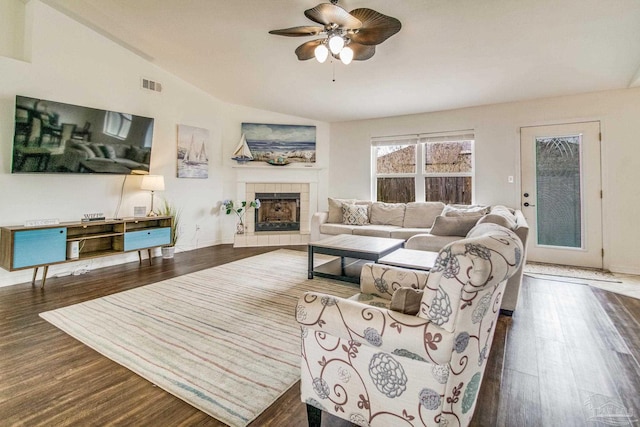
(278, 212)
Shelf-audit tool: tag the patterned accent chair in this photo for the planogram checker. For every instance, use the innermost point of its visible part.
(374, 366)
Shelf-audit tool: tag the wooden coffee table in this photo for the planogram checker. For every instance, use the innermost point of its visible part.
(410, 258)
(353, 252)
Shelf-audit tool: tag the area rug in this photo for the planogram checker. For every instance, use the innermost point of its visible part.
(569, 271)
(224, 340)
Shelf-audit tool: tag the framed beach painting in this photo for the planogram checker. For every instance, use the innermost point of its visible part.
(280, 144)
(193, 160)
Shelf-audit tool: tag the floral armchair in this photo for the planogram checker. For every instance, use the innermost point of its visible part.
(374, 366)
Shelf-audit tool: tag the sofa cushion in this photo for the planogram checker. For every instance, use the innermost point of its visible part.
(387, 213)
(136, 154)
(333, 229)
(465, 210)
(421, 214)
(453, 226)
(374, 230)
(405, 233)
(335, 209)
(429, 242)
(121, 150)
(406, 300)
(130, 164)
(354, 214)
(370, 299)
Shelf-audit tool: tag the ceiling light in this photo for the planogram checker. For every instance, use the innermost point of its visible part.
(321, 53)
(346, 55)
(361, 29)
(336, 43)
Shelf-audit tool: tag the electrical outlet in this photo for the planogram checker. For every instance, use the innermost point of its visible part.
(197, 227)
(510, 179)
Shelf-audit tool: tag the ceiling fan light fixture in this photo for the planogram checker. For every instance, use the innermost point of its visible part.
(336, 43)
(321, 52)
(361, 29)
(346, 55)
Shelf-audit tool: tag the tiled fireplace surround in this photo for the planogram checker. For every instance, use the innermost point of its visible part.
(275, 238)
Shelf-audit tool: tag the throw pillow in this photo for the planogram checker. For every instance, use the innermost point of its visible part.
(97, 150)
(453, 226)
(108, 151)
(406, 300)
(387, 214)
(354, 214)
(335, 209)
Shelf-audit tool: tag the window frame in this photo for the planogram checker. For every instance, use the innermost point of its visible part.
(420, 174)
(114, 119)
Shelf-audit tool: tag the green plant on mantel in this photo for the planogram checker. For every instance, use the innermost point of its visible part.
(169, 209)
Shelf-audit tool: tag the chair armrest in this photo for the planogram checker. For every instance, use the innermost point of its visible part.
(383, 280)
(387, 330)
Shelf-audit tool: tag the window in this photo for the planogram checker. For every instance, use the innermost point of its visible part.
(444, 172)
(117, 125)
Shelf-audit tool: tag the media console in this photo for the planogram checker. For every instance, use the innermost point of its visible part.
(24, 247)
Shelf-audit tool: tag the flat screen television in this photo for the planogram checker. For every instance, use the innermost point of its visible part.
(53, 137)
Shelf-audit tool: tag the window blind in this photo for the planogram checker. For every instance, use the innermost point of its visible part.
(381, 141)
(460, 135)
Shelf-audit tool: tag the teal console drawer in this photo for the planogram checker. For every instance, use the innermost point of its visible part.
(147, 238)
(39, 247)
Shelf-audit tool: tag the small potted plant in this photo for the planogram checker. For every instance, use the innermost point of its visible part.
(239, 209)
(168, 209)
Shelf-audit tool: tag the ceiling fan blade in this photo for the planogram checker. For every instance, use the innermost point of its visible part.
(301, 31)
(307, 50)
(362, 52)
(376, 27)
(327, 13)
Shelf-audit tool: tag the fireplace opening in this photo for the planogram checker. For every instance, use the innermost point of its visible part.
(278, 212)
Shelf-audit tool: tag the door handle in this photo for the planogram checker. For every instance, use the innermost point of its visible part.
(527, 204)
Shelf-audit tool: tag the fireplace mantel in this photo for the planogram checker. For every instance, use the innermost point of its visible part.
(265, 165)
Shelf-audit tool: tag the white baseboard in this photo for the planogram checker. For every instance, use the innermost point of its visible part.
(625, 269)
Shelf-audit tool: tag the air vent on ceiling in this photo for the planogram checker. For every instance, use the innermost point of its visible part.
(151, 85)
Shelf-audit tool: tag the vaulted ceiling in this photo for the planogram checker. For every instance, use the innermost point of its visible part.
(448, 54)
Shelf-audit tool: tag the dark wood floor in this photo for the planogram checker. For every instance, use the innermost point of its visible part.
(569, 352)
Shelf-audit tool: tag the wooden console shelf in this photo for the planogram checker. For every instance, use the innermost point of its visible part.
(41, 246)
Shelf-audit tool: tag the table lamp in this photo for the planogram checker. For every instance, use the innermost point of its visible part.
(152, 183)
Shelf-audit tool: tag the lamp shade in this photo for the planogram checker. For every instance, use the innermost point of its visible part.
(152, 183)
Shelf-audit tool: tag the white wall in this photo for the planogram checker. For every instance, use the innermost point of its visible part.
(498, 155)
(73, 64)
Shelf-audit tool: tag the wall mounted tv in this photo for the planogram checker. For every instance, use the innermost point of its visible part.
(52, 137)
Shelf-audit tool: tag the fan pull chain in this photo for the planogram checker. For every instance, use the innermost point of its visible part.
(333, 68)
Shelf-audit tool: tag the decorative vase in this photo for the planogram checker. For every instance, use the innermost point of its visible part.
(168, 252)
(240, 228)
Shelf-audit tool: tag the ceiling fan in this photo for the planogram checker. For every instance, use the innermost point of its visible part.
(346, 35)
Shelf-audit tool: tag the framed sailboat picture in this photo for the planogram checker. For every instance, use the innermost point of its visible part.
(279, 144)
(193, 160)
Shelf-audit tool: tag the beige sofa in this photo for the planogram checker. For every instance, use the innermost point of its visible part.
(425, 226)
